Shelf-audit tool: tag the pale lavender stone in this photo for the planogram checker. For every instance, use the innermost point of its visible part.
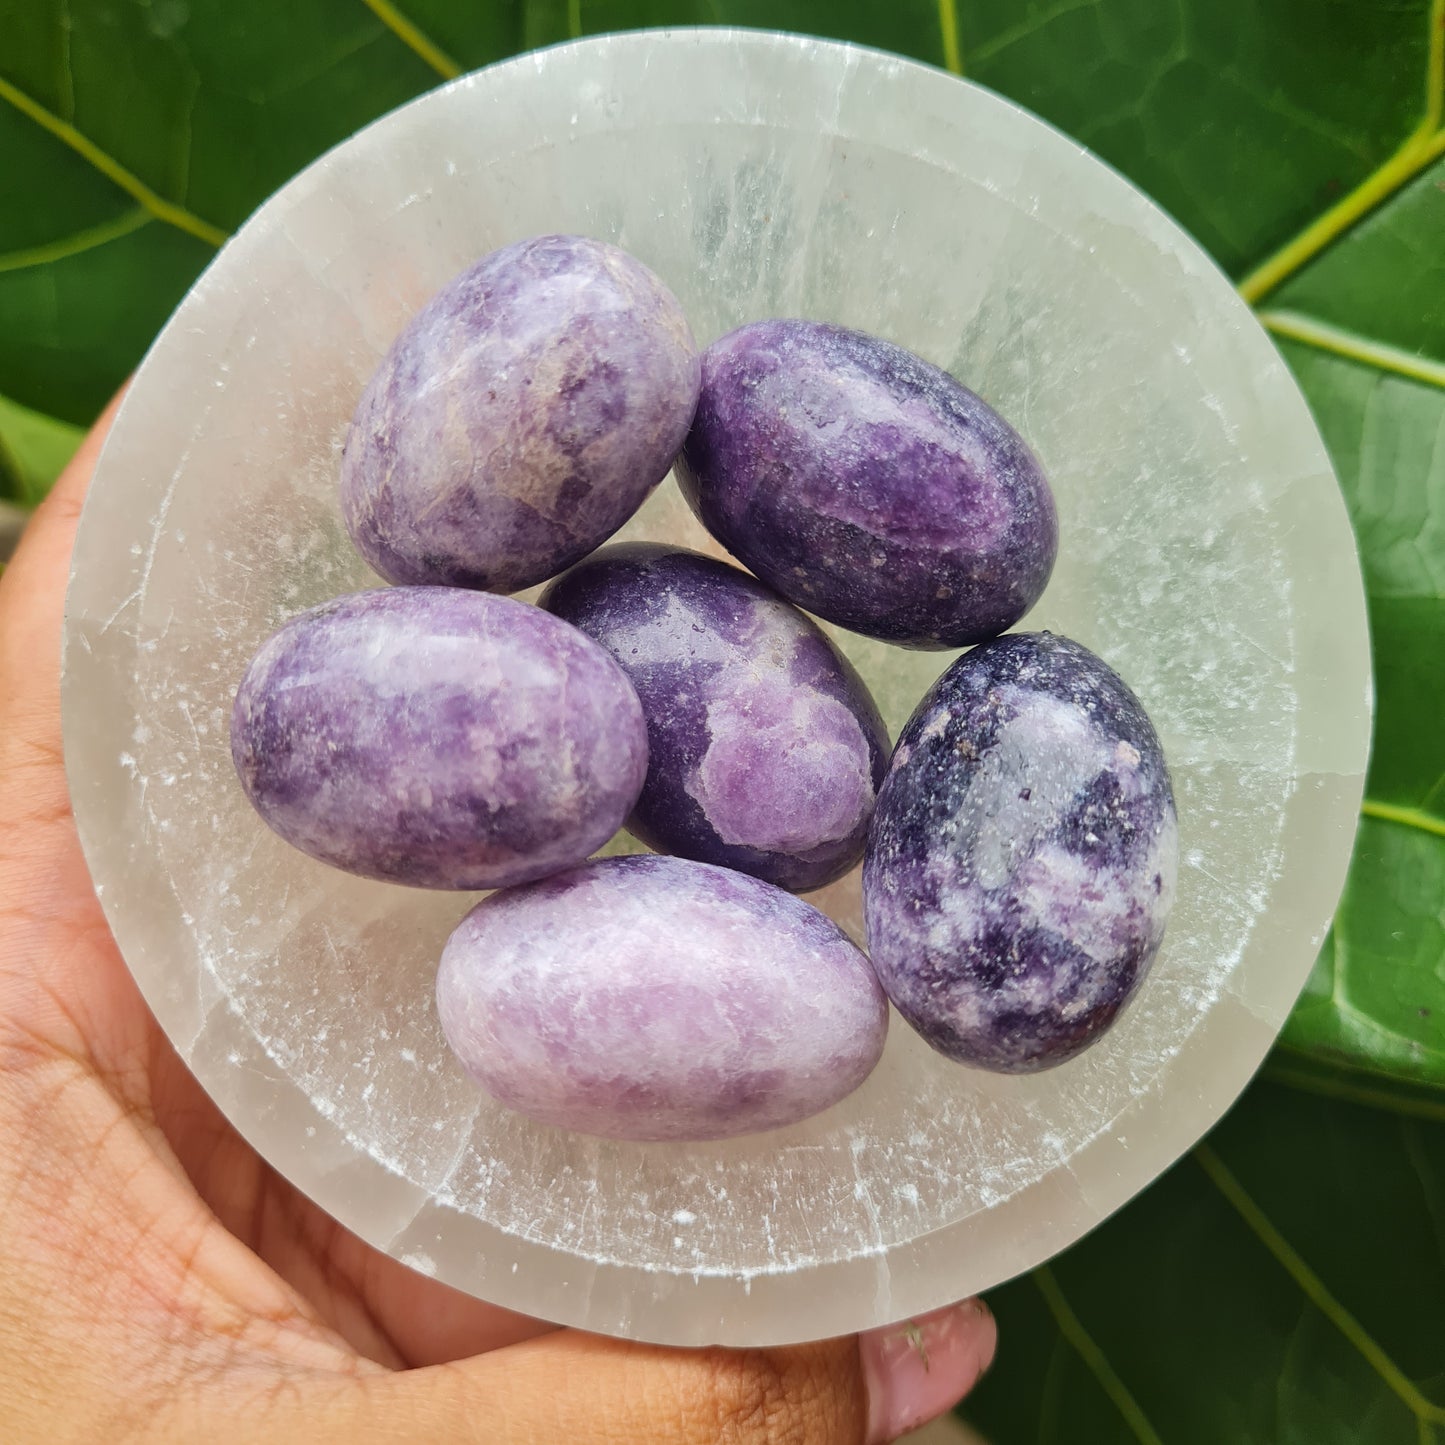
(521, 418)
(765, 748)
(438, 737)
(1022, 858)
(867, 485)
(659, 998)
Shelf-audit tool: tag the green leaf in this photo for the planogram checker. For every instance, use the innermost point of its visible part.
(1245, 120)
(1389, 281)
(1376, 999)
(33, 449)
(136, 136)
(1323, 1077)
(156, 126)
(1252, 1295)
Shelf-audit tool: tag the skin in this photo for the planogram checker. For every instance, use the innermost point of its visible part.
(438, 737)
(1022, 860)
(765, 747)
(159, 1283)
(659, 998)
(867, 486)
(521, 417)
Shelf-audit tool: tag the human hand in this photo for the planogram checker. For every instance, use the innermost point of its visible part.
(158, 1282)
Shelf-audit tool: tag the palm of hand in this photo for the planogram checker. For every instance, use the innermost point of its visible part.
(174, 1228)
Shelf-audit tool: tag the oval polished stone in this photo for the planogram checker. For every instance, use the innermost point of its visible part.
(1022, 858)
(520, 419)
(765, 748)
(438, 737)
(867, 486)
(659, 998)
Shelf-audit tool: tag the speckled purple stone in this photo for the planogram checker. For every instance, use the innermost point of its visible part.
(659, 998)
(521, 418)
(765, 747)
(867, 486)
(438, 737)
(1022, 858)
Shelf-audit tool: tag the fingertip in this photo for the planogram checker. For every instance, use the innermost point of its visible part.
(917, 1370)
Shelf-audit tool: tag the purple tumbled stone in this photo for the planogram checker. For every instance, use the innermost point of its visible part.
(520, 418)
(1022, 858)
(659, 998)
(866, 485)
(438, 737)
(765, 748)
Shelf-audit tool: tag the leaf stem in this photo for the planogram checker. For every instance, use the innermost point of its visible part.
(1324, 337)
(1435, 69)
(1092, 1356)
(1341, 1064)
(948, 29)
(1423, 145)
(108, 166)
(1406, 817)
(78, 242)
(414, 38)
(1307, 1082)
(1313, 1287)
(1417, 152)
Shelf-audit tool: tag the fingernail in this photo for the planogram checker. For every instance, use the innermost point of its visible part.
(917, 1369)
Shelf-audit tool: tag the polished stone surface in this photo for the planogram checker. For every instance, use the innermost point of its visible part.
(1024, 855)
(764, 747)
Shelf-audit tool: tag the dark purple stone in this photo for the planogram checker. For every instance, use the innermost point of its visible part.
(521, 417)
(765, 748)
(1022, 857)
(867, 486)
(438, 737)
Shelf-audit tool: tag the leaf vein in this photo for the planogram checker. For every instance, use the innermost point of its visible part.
(1406, 817)
(1013, 34)
(414, 38)
(1423, 145)
(1418, 151)
(1415, 1153)
(111, 169)
(66, 87)
(1411, 1045)
(1435, 69)
(948, 32)
(1052, 1390)
(1339, 342)
(1313, 1287)
(185, 132)
(1329, 1087)
(1279, 104)
(1085, 1346)
(77, 242)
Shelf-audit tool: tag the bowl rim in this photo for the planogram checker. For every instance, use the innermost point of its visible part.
(696, 1306)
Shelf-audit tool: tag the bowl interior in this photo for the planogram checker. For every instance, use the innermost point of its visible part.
(1205, 553)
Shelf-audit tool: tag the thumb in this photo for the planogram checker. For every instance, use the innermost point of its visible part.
(586, 1390)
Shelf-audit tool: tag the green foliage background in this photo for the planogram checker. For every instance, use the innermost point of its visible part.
(1287, 1281)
